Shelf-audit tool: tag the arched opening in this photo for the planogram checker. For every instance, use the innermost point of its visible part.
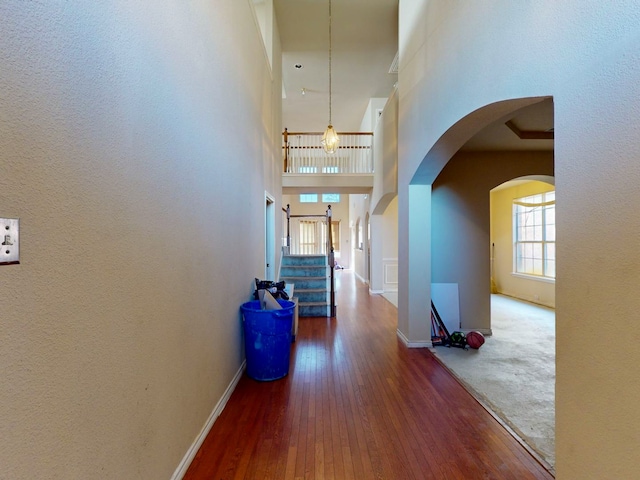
(460, 202)
(490, 146)
(479, 133)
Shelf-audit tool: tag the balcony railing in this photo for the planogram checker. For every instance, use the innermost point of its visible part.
(303, 153)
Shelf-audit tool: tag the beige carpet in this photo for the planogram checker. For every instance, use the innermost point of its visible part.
(513, 373)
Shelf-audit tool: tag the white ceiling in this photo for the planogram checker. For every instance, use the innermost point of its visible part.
(497, 136)
(364, 44)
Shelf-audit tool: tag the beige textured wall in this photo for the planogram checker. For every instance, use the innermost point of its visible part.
(532, 290)
(585, 54)
(136, 145)
(385, 155)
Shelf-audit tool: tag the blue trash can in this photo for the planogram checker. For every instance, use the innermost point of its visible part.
(267, 339)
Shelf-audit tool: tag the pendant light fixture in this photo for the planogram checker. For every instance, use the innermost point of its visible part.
(330, 138)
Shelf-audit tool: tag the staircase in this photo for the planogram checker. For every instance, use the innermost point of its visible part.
(310, 276)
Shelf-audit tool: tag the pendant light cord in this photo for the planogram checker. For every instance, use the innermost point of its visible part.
(329, 62)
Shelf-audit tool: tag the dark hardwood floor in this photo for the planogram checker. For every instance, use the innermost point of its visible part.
(357, 404)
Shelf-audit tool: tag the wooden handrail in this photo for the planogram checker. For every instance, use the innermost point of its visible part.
(322, 133)
(355, 150)
(291, 147)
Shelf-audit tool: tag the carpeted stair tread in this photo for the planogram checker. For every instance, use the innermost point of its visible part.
(309, 274)
(303, 271)
(311, 260)
(305, 266)
(289, 279)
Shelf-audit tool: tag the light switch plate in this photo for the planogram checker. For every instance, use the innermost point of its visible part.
(9, 241)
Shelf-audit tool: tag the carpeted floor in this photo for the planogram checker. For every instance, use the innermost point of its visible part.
(513, 373)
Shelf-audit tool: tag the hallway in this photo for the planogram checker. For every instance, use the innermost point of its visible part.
(358, 404)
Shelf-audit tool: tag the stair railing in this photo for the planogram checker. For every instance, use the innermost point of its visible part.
(332, 262)
(287, 211)
(309, 234)
(328, 247)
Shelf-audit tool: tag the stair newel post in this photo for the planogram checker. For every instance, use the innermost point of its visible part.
(288, 228)
(331, 262)
(328, 242)
(285, 134)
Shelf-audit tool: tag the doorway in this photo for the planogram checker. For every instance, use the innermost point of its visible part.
(475, 245)
(269, 237)
(368, 248)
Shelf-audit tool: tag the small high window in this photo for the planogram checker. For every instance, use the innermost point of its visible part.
(330, 198)
(308, 198)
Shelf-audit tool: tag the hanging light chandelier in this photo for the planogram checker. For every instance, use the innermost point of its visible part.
(330, 138)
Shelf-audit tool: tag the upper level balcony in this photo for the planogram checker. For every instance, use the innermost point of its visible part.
(307, 166)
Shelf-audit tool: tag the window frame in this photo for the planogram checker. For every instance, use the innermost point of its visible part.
(306, 198)
(534, 253)
(326, 200)
(335, 233)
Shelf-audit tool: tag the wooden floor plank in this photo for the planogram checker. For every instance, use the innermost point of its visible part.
(358, 404)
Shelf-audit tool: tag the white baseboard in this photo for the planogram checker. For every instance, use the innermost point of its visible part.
(376, 292)
(359, 277)
(217, 410)
(408, 344)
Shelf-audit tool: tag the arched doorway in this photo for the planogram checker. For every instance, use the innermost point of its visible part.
(458, 207)
(447, 204)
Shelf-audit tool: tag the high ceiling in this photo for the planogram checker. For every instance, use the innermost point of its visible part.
(364, 45)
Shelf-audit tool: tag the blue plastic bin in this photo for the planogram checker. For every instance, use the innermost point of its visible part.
(267, 339)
